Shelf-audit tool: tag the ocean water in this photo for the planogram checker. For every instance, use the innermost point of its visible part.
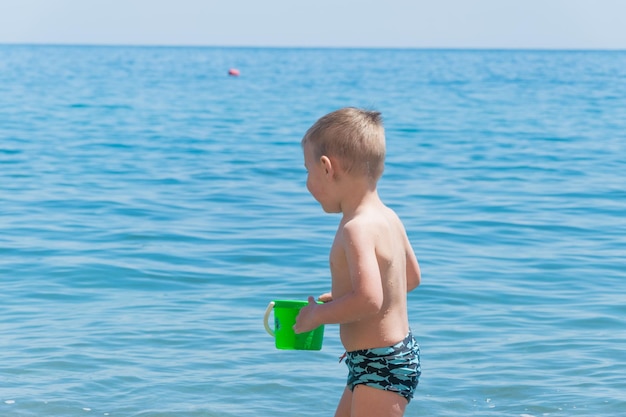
(151, 207)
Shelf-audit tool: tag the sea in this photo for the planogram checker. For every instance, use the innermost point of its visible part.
(151, 206)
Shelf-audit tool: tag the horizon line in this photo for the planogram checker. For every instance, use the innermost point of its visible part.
(243, 46)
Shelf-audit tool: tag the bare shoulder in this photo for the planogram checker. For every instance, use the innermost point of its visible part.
(359, 228)
(374, 225)
(368, 221)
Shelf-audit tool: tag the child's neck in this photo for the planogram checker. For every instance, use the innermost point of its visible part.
(357, 197)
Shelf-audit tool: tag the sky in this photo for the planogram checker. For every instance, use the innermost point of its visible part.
(501, 24)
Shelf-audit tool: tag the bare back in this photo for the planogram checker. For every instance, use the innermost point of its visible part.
(382, 250)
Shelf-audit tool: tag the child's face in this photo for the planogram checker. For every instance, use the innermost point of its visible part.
(317, 181)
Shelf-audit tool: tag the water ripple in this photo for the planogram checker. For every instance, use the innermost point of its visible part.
(151, 206)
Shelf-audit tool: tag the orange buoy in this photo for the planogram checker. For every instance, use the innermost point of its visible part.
(233, 72)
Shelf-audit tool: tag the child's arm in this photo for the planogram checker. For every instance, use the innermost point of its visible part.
(365, 298)
(413, 274)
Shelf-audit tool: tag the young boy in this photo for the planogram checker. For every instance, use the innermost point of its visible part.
(372, 265)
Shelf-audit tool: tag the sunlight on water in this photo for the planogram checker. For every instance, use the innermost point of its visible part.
(151, 206)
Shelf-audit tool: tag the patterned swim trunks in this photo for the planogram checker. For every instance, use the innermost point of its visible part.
(395, 368)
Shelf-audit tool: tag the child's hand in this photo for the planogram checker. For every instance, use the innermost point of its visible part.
(325, 298)
(305, 321)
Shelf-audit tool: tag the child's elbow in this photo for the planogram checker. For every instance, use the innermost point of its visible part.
(413, 281)
(413, 273)
(372, 304)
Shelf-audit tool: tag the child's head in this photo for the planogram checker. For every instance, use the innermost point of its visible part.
(354, 137)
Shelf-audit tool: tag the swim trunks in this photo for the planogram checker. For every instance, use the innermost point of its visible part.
(395, 368)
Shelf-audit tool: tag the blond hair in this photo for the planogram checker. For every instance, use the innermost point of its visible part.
(356, 137)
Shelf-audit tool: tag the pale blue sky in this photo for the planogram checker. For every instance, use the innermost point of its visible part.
(554, 24)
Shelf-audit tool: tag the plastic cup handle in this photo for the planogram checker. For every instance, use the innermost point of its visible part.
(270, 306)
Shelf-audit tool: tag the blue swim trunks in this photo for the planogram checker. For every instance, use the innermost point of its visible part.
(395, 368)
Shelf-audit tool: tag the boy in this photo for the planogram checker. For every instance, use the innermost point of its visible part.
(372, 265)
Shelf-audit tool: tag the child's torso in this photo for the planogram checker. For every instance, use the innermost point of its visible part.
(390, 324)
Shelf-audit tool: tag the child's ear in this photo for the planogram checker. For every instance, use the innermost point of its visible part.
(327, 166)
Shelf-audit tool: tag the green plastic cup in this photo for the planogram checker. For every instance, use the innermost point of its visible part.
(285, 313)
